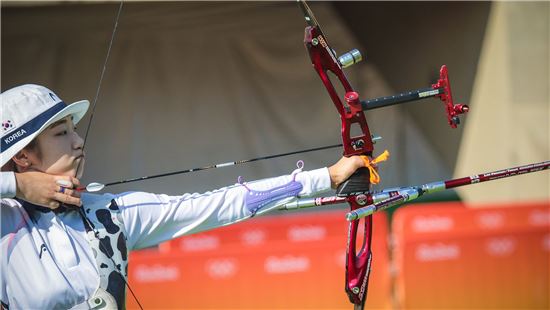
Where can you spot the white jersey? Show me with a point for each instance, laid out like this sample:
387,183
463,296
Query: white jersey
47,261
7,184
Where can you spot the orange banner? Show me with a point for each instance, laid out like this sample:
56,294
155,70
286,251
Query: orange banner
448,256
285,262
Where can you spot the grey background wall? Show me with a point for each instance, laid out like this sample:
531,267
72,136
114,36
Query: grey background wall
195,83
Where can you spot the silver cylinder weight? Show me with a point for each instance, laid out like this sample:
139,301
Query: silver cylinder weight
350,58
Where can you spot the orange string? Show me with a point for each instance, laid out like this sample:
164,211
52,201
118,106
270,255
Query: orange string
371,165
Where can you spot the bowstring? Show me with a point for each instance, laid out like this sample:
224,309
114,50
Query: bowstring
94,105
104,69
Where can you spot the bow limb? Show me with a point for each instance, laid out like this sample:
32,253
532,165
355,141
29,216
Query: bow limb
357,187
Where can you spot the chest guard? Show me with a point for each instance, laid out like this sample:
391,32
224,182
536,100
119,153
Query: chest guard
107,238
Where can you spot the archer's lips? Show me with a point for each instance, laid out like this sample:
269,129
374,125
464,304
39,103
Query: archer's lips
80,157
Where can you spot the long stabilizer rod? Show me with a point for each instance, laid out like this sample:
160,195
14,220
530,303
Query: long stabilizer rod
411,193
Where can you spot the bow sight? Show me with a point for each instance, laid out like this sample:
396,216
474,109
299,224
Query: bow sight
441,90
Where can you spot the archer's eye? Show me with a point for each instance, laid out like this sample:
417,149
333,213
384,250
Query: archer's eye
62,133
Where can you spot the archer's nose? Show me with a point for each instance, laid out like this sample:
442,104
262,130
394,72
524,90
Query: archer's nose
78,142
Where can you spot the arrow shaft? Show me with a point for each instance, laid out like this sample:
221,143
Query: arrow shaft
220,165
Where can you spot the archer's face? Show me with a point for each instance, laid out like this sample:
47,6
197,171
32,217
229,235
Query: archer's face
59,150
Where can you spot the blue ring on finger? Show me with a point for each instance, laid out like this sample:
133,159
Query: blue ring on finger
62,190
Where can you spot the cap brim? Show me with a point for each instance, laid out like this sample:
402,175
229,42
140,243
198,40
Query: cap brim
76,109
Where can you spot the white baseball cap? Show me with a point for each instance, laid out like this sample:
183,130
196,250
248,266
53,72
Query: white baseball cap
27,110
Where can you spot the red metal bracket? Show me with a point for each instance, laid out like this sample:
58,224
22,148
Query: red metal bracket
453,110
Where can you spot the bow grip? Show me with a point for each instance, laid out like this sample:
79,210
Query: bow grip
357,184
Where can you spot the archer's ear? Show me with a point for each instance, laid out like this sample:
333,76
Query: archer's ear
21,161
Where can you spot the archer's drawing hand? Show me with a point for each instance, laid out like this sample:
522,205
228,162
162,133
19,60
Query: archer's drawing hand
343,169
47,190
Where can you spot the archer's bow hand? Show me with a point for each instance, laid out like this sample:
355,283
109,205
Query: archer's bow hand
343,169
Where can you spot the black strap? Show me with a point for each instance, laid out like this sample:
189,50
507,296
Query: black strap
29,207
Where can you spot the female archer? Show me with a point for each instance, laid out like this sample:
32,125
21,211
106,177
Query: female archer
78,258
